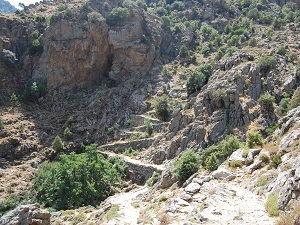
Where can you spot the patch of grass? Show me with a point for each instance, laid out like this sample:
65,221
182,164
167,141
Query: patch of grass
236,164
261,181
80,217
153,179
113,212
272,205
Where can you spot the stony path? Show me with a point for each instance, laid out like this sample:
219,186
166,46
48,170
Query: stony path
226,203
127,214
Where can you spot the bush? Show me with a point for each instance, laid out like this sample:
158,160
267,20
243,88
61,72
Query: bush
295,100
187,165
205,50
266,101
195,82
119,164
1,122
252,42
282,50
272,205
117,15
221,151
57,144
10,202
36,47
254,138
212,163
236,164
267,63
67,134
75,180
161,107
149,126
34,90
184,52
153,179
14,100
275,160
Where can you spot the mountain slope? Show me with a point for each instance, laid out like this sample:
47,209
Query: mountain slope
6,7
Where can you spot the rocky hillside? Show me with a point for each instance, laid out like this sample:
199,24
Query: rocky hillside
149,81
6,7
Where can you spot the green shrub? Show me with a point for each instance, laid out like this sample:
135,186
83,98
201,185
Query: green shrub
271,206
252,42
271,129
119,164
208,32
36,47
261,181
212,163
264,158
14,100
266,101
236,164
10,202
161,107
195,82
1,122
117,15
187,165
34,90
57,144
153,179
254,138
75,180
184,52
67,134
221,151
267,63
149,126
282,50
292,56
275,160
131,151
205,50
234,41
295,100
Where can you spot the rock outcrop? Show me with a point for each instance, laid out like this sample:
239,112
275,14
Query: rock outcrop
26,215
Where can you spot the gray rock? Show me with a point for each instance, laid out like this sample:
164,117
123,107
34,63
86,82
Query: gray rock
223,174
289,142
26,215
237,156
256,165
192,188
251,155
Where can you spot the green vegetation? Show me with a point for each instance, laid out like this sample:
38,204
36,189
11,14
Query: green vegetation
119,164
261,181
10,202
266,101
112,212
75,180
187,165
236,164
9,57
34,90
161,107
1,122
272,205
267,63
295,100
214,155
67,134
57,144
153,179
195,82
282,50
36,47
117,15
14,100
184,52
149,126
131,151
275,160
254,138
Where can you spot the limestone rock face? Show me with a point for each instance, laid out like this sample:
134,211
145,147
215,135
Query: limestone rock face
26,215
74,55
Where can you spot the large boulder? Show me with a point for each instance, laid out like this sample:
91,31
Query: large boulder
26,215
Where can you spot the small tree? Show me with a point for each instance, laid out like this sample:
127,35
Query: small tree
266,101
14,100
267,63
211,163
161,107
187,165
195,82
295,100
184,52
254,138
149,126
67,134
117,15
57,144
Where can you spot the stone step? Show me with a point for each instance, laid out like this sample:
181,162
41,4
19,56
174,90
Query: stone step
121,146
